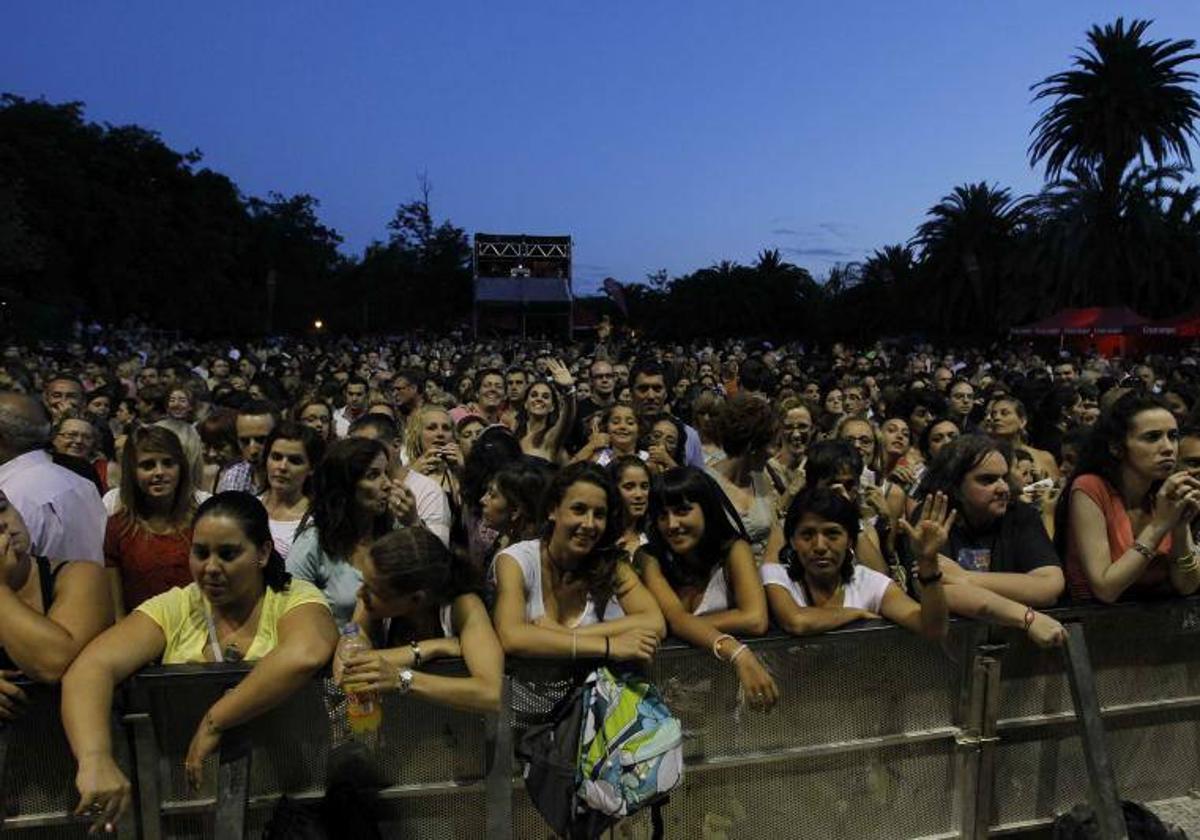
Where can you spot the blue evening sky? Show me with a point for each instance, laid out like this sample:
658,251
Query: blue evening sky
658,135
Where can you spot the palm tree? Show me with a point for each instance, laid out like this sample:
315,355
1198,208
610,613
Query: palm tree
966,249
1126,98
1131,249
1128,101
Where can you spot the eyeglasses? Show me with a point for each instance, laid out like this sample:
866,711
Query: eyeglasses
79,436
260,439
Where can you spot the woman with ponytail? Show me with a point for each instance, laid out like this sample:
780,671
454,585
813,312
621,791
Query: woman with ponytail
817,585
241,605
416,606
700,568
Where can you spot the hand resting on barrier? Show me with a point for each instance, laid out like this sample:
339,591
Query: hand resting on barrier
242,605
700,569
415,603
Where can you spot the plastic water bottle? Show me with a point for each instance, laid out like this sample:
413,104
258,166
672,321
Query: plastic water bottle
363,712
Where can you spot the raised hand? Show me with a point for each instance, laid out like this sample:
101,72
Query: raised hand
559,373
932,530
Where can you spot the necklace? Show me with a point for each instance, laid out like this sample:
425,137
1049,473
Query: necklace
231,651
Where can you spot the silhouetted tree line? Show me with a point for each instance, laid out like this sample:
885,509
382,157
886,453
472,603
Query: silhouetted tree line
1115,224
104,222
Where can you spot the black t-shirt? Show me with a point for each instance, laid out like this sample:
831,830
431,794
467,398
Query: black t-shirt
1017,542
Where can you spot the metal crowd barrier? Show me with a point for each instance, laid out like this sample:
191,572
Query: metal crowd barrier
878,735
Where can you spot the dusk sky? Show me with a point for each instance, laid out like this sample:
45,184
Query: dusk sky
658,135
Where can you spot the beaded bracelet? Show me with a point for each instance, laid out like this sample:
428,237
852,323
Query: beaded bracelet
1143,549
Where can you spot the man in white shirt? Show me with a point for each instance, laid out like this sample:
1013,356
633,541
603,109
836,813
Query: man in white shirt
355,392
62,510
432,506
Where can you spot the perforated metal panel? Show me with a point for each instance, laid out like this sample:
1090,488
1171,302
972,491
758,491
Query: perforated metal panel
1146,663
39,771
418,744
833,689
841,695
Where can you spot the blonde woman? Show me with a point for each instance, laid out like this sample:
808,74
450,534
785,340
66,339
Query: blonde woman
431,448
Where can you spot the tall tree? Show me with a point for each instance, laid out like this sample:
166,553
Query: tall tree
966,250
1127,97
1126,102
420,277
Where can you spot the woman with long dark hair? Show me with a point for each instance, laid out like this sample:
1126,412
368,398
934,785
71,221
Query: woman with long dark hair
567,595
416,607
632,477
700,568
352,506
495,448
1124,518
512,504
546,414
292,453
242,604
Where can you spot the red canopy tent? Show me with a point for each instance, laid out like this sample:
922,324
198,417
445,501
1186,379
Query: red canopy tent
1107,327
1181,326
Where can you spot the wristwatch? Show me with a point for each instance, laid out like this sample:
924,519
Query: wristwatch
404,684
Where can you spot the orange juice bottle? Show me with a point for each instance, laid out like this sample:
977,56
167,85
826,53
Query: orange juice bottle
363,712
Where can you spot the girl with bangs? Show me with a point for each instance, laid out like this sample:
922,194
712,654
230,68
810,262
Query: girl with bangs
700,568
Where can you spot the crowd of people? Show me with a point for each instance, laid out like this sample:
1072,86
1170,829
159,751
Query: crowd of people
173,501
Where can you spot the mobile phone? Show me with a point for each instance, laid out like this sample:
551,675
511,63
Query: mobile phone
1044,484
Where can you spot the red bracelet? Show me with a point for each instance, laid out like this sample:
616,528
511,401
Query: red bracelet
1030,615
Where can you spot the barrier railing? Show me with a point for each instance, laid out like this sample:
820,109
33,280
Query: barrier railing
879,734
1145,666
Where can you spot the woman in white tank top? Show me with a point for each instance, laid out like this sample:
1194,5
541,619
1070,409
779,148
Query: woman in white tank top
566,595
815,584
700,568
415,607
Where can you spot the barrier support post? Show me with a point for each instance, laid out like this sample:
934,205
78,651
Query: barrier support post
233,785
4,735
1102,783
145,762
498,793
